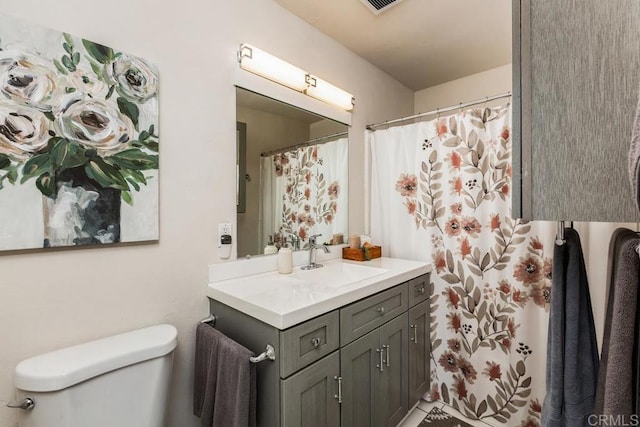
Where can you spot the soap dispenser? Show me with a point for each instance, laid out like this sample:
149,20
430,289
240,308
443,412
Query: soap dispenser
285,260
270,248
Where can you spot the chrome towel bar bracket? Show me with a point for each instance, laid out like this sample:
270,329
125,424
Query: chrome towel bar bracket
269,353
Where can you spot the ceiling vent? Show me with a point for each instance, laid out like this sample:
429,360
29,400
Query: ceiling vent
379,6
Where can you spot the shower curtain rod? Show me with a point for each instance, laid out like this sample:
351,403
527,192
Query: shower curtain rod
303,144
438,111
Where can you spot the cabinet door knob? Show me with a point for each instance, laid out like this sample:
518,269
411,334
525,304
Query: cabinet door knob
421,290
315,342
381,311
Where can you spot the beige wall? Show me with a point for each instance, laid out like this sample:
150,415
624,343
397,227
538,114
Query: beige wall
265,132
53,299
476,86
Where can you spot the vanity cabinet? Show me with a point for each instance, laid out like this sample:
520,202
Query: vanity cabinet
575,91
352,366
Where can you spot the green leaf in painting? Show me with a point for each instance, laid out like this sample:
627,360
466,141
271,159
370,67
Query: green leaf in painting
75,58
66,61
126,196
5,161
100,53
136,176
129,109
96,67
36,166
12,176
60,67
105,174
68,39
46,184
65,155
67,48
135,159
110,92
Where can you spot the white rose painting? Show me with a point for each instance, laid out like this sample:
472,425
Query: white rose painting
78,141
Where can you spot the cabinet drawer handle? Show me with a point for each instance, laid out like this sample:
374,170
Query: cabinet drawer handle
315,342
338,396
421,289
381,311
415,334
381,365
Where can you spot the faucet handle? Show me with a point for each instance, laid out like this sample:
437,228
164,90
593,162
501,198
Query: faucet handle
312,239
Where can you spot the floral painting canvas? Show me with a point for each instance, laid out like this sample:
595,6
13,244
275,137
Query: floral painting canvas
78,141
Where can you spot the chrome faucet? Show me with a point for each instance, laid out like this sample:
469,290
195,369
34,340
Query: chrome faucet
312,250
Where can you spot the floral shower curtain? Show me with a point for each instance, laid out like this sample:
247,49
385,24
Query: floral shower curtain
304,192
440,193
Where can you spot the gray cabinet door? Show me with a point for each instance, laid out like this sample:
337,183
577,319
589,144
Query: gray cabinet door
419,349
393,403
309,397
575,93
359,365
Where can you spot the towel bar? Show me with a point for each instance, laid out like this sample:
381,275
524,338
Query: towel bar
269,353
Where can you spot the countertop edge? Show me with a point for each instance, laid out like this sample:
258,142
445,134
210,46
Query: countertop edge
287,320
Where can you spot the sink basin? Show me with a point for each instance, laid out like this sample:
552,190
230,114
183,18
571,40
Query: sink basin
337,274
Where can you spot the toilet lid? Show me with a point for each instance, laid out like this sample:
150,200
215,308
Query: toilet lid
63,368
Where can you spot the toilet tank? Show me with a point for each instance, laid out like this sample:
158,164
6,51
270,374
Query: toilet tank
122,380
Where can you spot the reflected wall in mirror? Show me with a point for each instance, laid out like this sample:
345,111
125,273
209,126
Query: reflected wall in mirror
296,176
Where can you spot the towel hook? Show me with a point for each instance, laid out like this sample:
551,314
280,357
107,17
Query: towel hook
560,233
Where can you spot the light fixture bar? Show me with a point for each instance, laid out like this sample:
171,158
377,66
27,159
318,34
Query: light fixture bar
325,91
268,66
275,69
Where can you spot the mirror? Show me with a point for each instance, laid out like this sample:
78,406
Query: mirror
294,175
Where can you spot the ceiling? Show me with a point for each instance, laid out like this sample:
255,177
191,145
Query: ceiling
420,43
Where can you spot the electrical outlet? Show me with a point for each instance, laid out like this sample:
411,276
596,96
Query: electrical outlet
223,228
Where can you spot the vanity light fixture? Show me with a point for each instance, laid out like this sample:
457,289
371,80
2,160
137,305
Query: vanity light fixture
275,69
259,62
325,91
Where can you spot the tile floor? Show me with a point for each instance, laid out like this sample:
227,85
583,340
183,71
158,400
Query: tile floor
420,411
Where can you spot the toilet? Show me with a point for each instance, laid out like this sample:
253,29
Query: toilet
122,380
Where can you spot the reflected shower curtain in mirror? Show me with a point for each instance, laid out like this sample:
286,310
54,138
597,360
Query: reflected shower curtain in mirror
304,192
440,193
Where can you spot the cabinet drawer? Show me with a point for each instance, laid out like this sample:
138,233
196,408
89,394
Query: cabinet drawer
364,316
419,289
308,342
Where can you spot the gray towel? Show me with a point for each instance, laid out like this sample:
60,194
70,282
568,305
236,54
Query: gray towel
572,353
615,391
224,386
634,158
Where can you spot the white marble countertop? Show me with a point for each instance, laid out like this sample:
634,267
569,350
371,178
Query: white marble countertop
284,300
